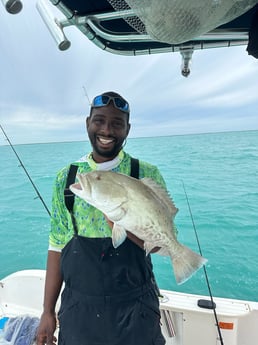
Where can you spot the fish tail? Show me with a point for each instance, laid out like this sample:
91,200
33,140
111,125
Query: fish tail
186,264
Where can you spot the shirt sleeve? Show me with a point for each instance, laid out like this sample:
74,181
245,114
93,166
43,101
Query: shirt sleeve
151,171
61,229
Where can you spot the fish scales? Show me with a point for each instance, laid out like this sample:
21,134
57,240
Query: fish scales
143,208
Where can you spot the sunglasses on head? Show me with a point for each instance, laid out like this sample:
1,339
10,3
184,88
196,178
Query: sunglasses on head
102,101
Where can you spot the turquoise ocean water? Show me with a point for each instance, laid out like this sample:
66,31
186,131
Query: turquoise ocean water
220,174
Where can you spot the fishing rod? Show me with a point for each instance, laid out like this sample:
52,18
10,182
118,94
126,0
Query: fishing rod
204,268
26,172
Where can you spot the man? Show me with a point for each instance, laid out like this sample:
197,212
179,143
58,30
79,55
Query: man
109,296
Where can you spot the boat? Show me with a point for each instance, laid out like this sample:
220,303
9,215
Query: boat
134,27
186,318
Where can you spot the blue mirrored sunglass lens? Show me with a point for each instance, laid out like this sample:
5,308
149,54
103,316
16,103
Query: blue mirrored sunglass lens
105,99
98,101
121,104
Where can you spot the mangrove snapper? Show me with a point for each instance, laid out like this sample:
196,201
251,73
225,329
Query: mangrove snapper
143,208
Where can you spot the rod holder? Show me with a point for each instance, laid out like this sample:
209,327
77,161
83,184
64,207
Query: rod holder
53,25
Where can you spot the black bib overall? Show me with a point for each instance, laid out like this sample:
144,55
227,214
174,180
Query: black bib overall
109,296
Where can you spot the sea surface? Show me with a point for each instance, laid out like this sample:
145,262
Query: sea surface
217,172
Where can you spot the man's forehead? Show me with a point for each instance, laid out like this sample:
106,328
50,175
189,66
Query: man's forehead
108,112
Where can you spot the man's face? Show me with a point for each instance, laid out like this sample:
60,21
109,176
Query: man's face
107,129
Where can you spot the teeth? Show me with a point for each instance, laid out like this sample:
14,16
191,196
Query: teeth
105,141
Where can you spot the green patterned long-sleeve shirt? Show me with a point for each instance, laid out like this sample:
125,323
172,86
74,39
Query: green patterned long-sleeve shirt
90,221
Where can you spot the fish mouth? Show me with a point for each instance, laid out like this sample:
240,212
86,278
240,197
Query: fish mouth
84,182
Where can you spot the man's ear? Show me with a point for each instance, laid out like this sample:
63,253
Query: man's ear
87,122
128,128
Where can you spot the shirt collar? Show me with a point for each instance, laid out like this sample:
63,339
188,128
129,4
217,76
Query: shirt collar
109,165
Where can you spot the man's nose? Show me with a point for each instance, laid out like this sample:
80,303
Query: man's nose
107,127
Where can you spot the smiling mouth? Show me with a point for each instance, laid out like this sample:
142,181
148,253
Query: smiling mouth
105,141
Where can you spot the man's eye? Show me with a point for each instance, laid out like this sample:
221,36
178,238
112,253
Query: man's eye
98,121
118,124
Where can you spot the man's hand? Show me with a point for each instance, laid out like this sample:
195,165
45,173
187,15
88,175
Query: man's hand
109,222
46,330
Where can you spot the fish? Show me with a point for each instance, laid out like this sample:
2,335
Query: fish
145,209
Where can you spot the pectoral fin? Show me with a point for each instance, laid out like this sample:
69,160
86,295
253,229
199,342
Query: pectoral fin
148,246
118,235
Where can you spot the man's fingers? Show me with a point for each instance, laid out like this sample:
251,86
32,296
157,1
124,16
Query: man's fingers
110,223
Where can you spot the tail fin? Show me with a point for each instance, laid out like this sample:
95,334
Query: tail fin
186,264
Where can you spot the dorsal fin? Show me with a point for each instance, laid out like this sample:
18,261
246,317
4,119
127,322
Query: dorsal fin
161,194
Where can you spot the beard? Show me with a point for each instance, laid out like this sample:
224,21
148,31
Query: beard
108,151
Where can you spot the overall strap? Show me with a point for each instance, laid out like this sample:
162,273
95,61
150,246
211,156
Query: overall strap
135,168
68,194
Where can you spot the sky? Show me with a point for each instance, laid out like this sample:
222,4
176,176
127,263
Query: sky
43,99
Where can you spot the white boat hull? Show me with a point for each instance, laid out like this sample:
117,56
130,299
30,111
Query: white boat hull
183,321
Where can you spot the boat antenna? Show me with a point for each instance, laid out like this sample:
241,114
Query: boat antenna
204,268
26,172
86,94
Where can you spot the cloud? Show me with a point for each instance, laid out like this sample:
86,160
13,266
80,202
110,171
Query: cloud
229,99
38,119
